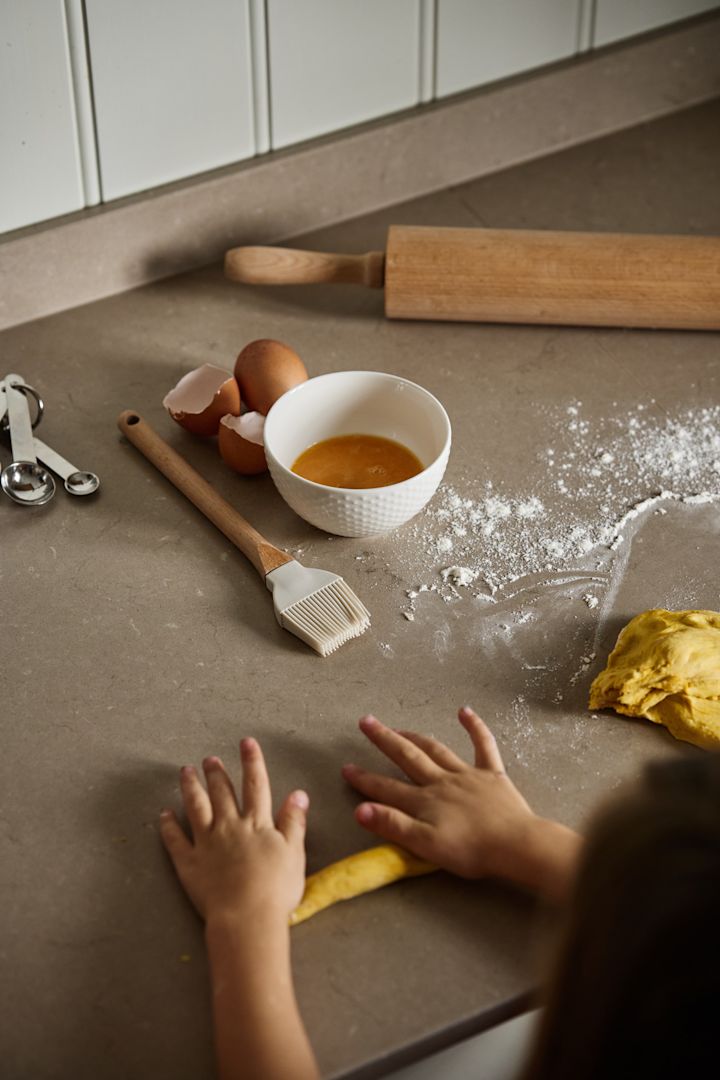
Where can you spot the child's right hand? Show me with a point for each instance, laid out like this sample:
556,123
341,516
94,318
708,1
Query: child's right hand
470,820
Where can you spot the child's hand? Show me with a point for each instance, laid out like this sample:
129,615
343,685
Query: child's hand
239,864
470,820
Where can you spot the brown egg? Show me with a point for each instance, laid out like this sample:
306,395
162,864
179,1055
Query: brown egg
265,370
240,442
202,397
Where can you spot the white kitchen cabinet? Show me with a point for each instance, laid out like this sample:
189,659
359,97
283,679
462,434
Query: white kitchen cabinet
497,1054
172,85
103,98
40,174
334,63
615,19
479,41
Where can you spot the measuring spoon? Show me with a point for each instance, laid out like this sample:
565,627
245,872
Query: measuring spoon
23,480
76,481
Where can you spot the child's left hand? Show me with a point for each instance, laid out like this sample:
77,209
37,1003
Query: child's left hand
239,864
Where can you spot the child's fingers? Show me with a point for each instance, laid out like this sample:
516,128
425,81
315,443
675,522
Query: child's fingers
487,755
413,761
292,817
195,800
394,826
172,835
382,788
220,789
257,800
441,754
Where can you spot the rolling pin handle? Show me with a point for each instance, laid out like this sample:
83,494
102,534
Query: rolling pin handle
286,266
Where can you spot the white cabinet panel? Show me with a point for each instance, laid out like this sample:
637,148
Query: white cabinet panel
39,165
172,88
334,63
615,19
482,40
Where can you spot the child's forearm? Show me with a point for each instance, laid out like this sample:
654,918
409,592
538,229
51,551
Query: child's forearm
259,1034
548,861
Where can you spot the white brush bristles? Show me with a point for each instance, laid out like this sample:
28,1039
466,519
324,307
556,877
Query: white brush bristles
317,606
327,618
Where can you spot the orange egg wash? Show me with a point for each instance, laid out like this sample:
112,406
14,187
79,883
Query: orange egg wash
357,461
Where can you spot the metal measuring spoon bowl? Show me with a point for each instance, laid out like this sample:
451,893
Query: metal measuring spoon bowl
23,480
28,483
77,481
82,483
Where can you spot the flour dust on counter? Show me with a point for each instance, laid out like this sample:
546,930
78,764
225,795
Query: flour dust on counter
593,482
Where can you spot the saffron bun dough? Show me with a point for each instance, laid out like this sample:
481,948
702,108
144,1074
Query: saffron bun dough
357,874
666,667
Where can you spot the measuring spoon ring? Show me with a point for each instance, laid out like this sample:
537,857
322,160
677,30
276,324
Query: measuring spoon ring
39,403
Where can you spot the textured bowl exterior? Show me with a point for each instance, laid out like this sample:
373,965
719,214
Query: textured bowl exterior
361,512
347,402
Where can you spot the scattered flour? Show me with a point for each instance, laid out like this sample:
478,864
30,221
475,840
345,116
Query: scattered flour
458,575
610,472
585,662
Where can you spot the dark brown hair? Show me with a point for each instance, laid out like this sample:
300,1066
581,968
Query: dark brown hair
636,990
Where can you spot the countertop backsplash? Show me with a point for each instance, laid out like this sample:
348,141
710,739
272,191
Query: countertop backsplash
105,99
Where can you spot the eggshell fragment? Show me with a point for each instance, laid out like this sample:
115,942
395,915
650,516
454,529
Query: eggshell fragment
240,442
202,397
265,370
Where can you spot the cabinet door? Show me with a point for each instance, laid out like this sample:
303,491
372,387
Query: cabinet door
482,40
334,63
172,87
40,174
615,19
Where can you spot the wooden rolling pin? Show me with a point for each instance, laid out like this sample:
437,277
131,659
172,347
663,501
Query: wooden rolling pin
516,276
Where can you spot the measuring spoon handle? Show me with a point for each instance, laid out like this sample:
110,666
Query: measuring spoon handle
59,465
21,434
262,554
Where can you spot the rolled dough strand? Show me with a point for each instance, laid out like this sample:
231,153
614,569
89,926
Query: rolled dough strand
355,875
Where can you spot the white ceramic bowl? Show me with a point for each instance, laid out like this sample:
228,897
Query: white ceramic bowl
352,403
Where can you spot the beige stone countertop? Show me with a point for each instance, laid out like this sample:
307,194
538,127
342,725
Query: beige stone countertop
136,639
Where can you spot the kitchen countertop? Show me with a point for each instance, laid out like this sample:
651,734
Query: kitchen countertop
137,639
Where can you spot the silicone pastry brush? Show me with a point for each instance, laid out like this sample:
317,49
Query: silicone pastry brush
317,606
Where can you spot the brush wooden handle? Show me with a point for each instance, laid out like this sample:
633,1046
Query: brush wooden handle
286,266
262,554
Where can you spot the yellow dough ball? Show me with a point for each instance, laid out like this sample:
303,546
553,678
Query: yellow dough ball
666,667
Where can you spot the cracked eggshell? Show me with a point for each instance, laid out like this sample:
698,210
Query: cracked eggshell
240,442
202,397
265,370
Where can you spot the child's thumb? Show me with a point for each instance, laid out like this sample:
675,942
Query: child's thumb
292,818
